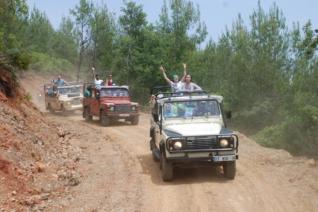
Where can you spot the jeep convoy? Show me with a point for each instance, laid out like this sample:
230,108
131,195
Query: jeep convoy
109,103
189,128
63,98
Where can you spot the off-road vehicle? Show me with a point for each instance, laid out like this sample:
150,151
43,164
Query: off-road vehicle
63,98
189,129
109,103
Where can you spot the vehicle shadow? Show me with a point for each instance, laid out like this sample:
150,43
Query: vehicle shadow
65,113
119,123
181,175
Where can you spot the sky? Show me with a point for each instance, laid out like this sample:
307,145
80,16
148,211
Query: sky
216,14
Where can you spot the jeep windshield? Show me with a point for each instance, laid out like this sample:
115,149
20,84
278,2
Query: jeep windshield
193,108
69,89
114,92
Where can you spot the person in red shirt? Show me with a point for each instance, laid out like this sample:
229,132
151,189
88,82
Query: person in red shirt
109,80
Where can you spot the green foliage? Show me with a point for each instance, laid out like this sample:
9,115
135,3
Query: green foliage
102,38
28,97
82,14
64,41
39,33
291,135
45,63
13,16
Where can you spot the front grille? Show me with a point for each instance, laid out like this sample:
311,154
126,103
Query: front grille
122,108
73,94
76,101
201,143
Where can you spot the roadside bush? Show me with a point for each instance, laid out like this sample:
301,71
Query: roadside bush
252,119
291,135
45,63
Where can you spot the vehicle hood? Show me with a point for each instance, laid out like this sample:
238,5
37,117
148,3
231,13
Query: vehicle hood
69,98
115,101
195,129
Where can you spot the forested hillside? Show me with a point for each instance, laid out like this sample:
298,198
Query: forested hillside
266,71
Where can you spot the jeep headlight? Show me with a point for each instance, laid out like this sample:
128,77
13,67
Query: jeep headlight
177,145
224,142
133,108
111,108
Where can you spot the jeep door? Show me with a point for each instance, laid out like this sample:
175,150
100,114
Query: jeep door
94,106
158,127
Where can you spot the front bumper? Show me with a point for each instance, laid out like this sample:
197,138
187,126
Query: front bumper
70,107
201,159
122,115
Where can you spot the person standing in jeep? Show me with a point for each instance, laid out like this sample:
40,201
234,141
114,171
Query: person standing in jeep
59,81
98,82
188,85
109,80
176,83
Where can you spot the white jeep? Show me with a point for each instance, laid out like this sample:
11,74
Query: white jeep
63,98
189,129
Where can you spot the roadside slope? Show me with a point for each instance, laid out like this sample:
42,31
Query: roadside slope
37,162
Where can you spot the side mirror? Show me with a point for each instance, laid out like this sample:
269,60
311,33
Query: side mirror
228,114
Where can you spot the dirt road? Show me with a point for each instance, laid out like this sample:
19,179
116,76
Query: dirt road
118,174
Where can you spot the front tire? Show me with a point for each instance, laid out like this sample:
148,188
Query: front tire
166,168
51,110
229,169
104,119
88,117
154,150
135,120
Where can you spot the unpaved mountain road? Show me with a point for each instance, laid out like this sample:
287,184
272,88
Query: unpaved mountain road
118,174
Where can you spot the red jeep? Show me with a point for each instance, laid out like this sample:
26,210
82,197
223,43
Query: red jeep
109,103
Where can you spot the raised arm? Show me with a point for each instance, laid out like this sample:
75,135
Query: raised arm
196,87
184,72
165,75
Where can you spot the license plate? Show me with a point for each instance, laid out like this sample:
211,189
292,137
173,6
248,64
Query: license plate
123,115
224,158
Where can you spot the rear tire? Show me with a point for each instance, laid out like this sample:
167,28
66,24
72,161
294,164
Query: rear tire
166,168
88,117
153,149
229,169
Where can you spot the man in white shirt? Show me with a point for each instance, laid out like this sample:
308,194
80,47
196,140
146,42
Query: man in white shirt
98,82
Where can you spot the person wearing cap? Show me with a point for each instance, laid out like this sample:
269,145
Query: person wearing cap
176,83
109,80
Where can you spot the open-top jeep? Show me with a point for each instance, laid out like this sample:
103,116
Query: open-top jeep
189,129
109,103
63,98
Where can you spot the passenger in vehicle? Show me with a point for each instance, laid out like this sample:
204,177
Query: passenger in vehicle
98,82
59,81
176,83
88,91
109,80
201,109
188,85
170,110
55,90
